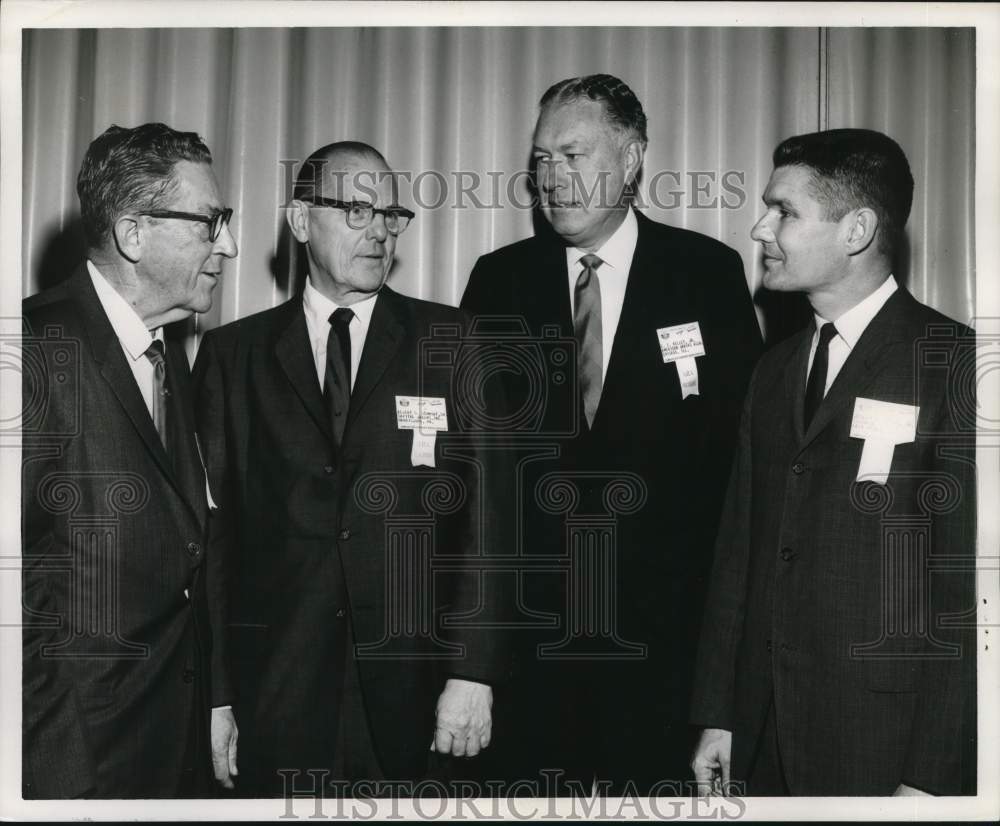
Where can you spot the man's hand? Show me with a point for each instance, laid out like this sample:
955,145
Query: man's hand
464,719
902,790
710,761
224,734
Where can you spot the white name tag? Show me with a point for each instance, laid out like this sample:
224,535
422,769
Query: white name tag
425,416
882,425
681,344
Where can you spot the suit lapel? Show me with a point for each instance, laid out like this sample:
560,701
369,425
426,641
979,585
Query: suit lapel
550,294
107,351
187,462
385,333
651,300
795,381
873,350
295,356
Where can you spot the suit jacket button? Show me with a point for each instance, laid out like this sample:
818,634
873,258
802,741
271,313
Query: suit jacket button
328,470
188,675
341,613
193,548
769,645
787,554
345,534
798,467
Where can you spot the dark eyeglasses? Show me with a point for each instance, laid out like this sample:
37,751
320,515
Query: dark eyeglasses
360,214
216,221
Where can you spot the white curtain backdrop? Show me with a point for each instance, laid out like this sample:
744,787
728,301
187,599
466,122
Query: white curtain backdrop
462,102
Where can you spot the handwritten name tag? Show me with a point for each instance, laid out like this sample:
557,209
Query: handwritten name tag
882,425
425,416
681,344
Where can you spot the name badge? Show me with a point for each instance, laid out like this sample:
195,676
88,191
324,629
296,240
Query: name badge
425,416
882,426
681,344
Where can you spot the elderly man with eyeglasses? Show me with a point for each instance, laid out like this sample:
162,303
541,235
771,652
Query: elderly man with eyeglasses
114,504
349,506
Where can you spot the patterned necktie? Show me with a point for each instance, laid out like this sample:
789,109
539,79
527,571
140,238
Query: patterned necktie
587,329
157,357
337,378
816,386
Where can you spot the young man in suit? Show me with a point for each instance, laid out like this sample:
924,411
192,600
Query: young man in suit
340,547
114,505
666,338
834,657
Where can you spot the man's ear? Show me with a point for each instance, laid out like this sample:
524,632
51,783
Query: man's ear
128,238
862,227
297,216
633,153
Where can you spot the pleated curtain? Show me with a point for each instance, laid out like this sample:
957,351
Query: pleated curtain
453,106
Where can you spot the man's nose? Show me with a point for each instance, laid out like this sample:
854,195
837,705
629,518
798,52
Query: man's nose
761,231
377,228
551,175
225,244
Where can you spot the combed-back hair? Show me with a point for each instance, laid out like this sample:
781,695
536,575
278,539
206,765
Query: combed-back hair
308,182
622,109
131,170
854,168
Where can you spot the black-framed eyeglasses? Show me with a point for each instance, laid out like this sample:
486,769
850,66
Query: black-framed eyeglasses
216,221
360,213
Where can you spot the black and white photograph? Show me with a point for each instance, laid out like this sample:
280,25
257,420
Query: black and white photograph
499,411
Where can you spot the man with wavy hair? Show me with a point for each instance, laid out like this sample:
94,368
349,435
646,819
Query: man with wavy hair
114,508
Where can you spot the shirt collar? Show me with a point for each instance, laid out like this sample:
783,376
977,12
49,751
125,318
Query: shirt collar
318,308
616,252
853,323
130,329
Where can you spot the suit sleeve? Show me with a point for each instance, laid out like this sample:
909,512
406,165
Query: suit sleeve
487,531
210,411
722,629
57,758
941,758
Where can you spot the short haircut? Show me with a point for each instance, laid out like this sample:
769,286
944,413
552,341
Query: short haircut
854,168
622,109
131,170
308,181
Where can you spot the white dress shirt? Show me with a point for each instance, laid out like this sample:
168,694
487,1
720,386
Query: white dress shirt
616,253
131,331
318,309
849,326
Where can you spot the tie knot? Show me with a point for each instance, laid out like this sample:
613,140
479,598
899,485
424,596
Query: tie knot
826,333
155,352
341,317
591,261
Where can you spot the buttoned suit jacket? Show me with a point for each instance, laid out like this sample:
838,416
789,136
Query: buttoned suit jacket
113,530
844,599
312,548
671,453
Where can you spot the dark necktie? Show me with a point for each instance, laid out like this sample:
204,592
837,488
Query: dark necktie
337,378
587,329
816,385
157,357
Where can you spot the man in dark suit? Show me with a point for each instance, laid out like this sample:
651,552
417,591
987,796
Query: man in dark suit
339,550
640,437
835,658
114,509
